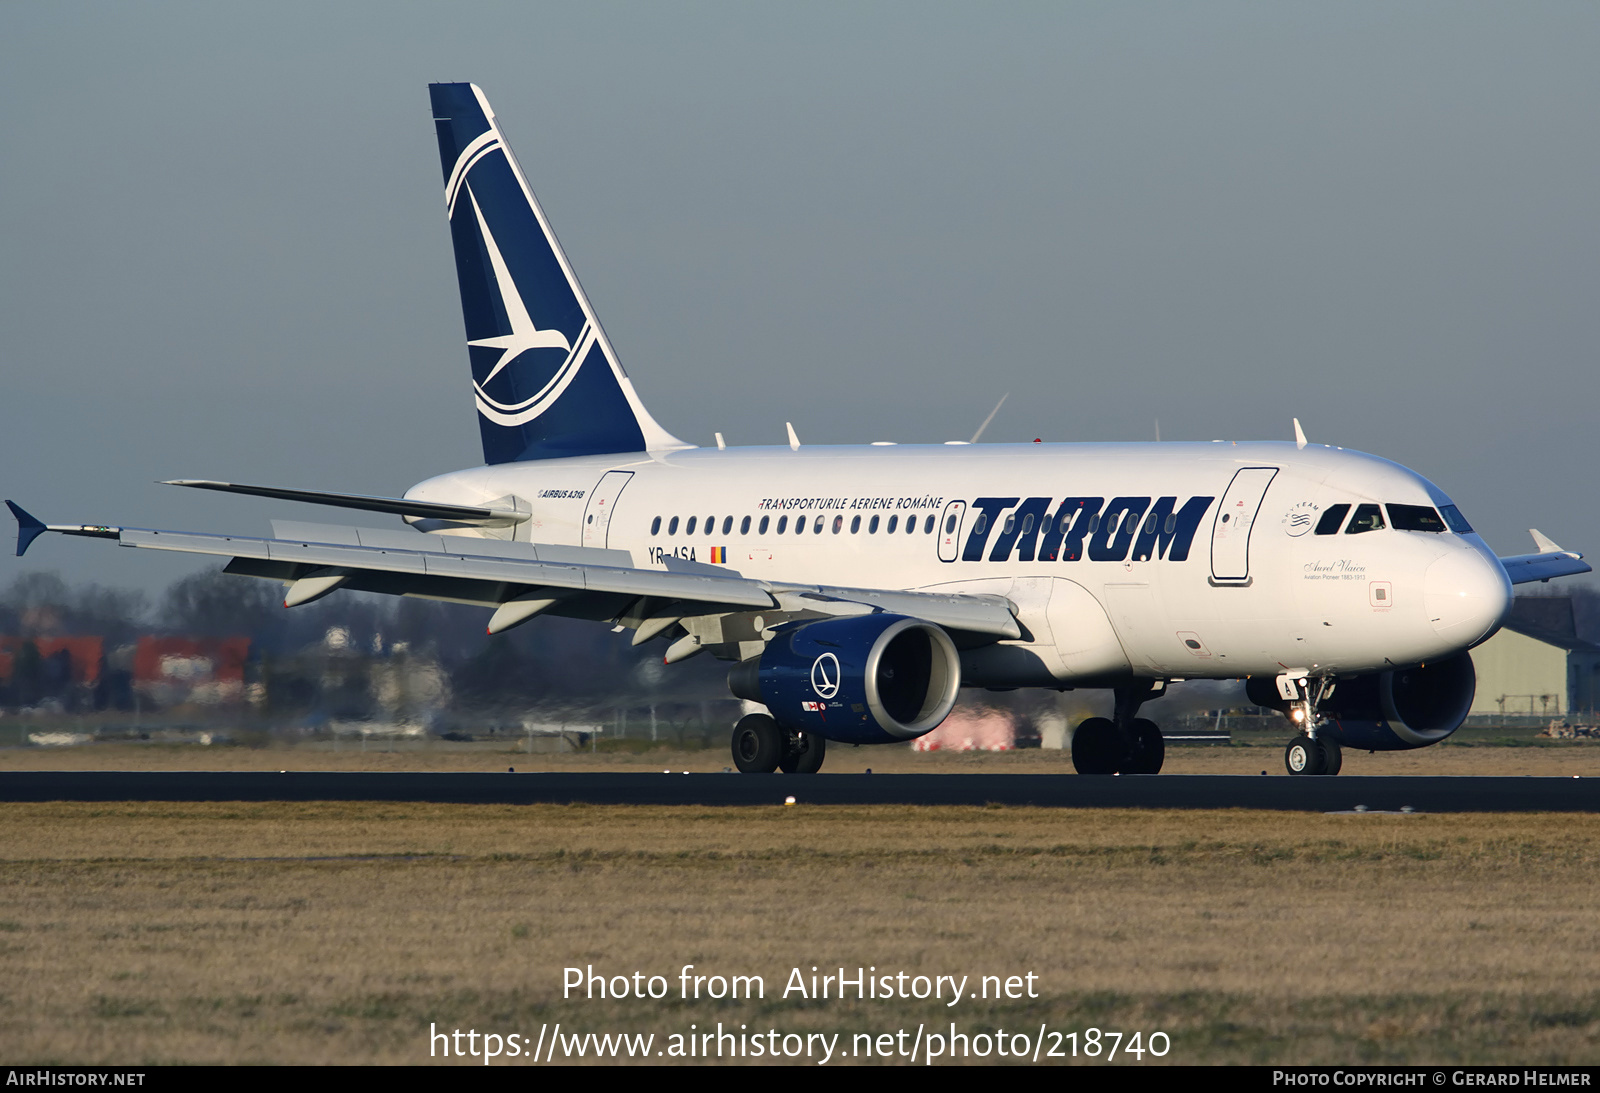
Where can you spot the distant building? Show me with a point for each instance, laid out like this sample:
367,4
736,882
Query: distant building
208,671
1545,661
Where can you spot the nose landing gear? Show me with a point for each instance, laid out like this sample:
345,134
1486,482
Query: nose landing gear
1313,755
1313,751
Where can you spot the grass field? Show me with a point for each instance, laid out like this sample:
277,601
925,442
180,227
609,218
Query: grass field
1258,752
147,933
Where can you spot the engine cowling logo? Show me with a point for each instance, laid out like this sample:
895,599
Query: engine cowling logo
825,674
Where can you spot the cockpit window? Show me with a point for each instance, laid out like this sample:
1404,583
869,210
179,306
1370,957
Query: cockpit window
1367,518
1454,520
1415,518
1329,524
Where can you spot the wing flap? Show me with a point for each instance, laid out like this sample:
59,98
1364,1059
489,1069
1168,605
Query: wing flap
731,592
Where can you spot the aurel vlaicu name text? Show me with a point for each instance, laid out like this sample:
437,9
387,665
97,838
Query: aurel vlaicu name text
799,985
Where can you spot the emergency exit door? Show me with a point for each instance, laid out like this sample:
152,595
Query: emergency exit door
602,500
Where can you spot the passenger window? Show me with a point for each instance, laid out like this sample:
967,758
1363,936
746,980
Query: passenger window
711,525
855,524
672,528
1171,525
1332,519
872,527
1414,518
1094,523
727,524
688,529
783,524
1027,523
978,526
1367,518
744,526
949,525
761,529
1454,520
927,525
894,522
1010,525
838,523
817,528
655,526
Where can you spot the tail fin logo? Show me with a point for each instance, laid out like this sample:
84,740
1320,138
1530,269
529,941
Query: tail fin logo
544,377
523,340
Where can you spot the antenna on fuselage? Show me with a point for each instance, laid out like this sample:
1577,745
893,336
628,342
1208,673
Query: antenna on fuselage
794,439
990,418
1299,435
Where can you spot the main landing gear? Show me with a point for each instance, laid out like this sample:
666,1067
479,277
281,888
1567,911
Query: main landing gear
1312,752
1123,743
761,746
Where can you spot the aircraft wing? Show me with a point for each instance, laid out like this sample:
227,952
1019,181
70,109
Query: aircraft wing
577,582
1551,561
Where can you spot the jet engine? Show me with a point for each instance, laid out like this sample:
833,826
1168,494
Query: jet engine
1390,711
867,679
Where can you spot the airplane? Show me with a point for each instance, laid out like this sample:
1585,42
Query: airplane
855,589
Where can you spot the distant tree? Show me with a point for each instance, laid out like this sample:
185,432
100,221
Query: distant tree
217,604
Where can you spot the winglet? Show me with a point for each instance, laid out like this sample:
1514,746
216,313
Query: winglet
29,527
1299,435
794,439
1545,544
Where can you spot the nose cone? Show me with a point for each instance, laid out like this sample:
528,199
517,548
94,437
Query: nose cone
1466,595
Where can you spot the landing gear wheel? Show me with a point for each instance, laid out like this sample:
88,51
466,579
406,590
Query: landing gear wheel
1305,756
804,754
758,744
1097,747
1148,749
1332,754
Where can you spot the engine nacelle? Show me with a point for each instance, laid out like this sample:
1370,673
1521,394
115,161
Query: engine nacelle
867,679
1391,711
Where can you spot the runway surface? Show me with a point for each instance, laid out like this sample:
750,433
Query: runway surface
1337,794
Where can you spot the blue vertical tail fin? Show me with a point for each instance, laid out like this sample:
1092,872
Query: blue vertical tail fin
546,380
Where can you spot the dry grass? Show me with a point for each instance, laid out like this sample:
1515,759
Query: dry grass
338,932
1445,759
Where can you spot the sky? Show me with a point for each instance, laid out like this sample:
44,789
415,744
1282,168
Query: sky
223,250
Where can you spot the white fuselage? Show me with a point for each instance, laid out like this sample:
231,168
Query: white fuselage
1260,591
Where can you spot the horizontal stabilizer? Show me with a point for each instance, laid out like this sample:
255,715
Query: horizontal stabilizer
400,506
1527,568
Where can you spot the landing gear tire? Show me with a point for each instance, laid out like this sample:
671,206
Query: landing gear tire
1149,750
758,744
1305,756
1097,747
803,754
1332,754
